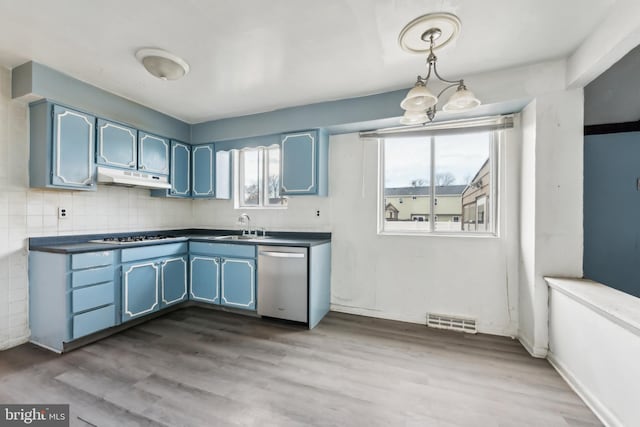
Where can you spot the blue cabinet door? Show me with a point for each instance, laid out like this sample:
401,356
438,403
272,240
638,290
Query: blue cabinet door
73,149
180,169
238,283
173,280
117,145
205,278
299,163
202,170
140,288
153,153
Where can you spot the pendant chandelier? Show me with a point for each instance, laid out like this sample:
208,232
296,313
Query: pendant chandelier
426,34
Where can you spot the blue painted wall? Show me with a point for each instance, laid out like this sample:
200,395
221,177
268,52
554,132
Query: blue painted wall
36,79
612,210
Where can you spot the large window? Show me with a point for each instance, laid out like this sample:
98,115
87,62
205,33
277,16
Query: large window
258,178
443,183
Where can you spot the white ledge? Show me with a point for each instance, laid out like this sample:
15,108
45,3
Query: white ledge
617,306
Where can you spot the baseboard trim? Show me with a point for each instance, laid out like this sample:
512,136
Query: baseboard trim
598,408
538,352
422,320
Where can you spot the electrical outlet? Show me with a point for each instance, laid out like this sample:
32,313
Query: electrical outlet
63,213
317,212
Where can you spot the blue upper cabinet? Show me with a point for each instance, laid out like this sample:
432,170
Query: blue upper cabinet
62,147
116,145
304,163
180,176
202,170
153,154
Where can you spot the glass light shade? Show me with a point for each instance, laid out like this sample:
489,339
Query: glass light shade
414,118
419,98
461,100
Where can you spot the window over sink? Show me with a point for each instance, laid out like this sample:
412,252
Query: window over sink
257,178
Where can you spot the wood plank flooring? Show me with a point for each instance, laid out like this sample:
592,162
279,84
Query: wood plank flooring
199,367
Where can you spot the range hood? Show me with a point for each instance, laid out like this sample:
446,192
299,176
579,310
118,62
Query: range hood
130,178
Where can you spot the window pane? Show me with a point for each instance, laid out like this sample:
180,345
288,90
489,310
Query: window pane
463,182
273,178
250,185
407,172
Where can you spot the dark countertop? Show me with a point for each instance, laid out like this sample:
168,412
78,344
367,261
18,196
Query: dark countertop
80,243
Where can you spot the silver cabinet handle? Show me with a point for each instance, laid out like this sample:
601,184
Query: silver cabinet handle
282,254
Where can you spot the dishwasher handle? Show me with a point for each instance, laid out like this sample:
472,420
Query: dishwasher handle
282,254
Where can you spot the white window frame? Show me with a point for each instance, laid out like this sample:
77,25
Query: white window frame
263,183
495,150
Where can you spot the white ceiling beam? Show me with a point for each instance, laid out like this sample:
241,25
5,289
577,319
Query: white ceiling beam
613,38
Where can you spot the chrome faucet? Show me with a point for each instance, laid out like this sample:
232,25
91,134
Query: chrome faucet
245,221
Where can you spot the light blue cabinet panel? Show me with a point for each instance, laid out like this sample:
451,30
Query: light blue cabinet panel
140,289
202,170
73,149
91,259
153,251
91,276
304,161
223,249
92,297
223,177
238,286
180,169
204,279
153,153
93,321
116,145
174,281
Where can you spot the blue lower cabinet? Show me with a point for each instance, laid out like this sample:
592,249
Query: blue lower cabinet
238,283
93,321
174,280
205,283
140,288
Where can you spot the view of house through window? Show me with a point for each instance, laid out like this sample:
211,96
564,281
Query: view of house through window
258,178
438,183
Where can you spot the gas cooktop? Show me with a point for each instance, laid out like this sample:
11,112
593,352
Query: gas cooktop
123,240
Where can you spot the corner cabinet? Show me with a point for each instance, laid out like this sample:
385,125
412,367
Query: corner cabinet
116,145
153,153
202,171
180,175
304,163
62,147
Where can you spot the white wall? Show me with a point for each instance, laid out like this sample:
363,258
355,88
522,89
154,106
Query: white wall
551,205
26,212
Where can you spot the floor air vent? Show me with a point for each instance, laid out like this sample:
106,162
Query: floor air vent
452,323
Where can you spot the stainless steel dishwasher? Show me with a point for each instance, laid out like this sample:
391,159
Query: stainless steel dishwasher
282,282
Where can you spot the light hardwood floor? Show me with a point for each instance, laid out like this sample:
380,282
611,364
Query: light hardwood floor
199,367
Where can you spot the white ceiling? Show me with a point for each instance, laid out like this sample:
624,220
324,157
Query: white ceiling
254,55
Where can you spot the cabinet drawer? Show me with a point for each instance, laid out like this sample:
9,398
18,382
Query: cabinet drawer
92,296
91,259
93,321
91,276
223,249
153,251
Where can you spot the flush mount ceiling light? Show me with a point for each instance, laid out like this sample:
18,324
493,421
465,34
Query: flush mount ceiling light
162,64
426,34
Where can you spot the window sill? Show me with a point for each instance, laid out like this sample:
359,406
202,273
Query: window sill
441,234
